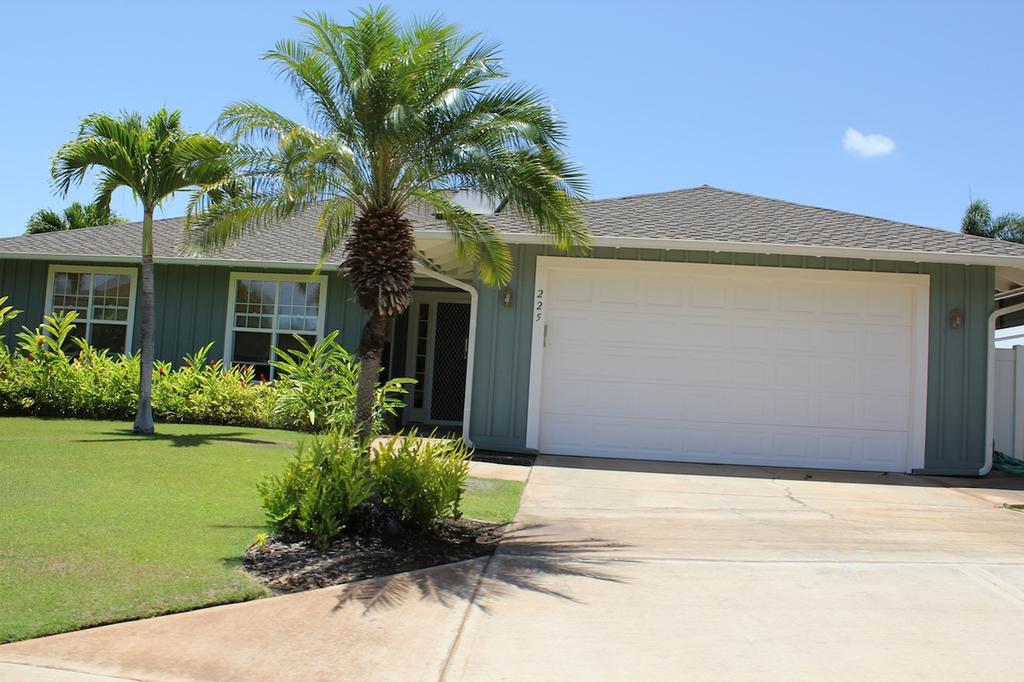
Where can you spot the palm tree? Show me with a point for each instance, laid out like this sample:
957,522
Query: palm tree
978,221
74,217
399,119
154,158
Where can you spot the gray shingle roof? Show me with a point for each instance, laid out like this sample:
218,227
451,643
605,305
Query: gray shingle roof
293,241
697,214
716,215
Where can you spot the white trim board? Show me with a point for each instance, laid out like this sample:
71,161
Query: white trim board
919,285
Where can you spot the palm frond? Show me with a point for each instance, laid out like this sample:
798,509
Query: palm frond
45,220
397,113
1009,227
977,219
335,222
476,240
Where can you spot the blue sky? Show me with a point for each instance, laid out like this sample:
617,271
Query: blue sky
757,97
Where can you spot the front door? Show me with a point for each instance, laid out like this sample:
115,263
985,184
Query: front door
438,349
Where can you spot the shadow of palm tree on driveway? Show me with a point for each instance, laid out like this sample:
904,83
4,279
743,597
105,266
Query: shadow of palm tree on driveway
185,440
525,560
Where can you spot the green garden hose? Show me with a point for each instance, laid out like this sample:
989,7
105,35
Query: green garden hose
1006,463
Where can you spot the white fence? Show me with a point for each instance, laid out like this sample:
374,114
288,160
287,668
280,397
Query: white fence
1009,401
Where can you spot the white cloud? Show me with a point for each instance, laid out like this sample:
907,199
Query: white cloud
873,144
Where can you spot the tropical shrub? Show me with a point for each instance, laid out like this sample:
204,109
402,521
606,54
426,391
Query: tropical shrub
104,385
53,373
316,388
203,391
421,479
323,482
43,377
7,314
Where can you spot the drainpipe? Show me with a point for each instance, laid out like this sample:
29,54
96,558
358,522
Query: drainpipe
473,296
990,397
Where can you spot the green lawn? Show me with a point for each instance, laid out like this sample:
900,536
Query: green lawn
99,525
492,499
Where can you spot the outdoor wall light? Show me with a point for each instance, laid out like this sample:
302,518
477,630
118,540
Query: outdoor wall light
507,297
956,319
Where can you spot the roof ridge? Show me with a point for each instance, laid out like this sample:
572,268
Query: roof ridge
641,195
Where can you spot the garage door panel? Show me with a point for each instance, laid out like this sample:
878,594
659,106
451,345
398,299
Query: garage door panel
650,437
886,342
729,364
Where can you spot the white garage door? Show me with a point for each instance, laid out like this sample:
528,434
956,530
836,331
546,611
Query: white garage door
730,364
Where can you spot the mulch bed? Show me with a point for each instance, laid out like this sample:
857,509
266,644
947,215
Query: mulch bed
292,565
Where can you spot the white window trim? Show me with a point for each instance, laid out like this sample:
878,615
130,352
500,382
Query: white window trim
98,270
229,323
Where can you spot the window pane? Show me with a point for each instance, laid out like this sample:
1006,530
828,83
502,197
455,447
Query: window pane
298,306
71,292
111,297
289,343
254,304
253,348
109,336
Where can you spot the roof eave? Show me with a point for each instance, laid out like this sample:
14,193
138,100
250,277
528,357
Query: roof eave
613,242
175,260
784,249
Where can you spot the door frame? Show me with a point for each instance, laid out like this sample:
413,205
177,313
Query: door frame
431,298
920,324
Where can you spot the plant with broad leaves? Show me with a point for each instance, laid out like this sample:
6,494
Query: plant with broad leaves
322,483
317,383
421,479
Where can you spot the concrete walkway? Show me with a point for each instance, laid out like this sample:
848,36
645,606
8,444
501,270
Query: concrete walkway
627,570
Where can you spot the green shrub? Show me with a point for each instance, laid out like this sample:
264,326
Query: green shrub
7,315
105,386
53,373
421,479
322,483
316,384
42,379
203,391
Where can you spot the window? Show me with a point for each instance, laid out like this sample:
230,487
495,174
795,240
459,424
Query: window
104,299
266,310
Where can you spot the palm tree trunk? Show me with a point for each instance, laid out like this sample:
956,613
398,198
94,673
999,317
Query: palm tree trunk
380,249
144,412
371,350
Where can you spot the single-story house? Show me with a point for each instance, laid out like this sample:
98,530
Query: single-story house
706,326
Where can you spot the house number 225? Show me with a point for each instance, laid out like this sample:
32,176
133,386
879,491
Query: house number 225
539,307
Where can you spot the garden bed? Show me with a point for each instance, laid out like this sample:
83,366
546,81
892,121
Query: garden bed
286,565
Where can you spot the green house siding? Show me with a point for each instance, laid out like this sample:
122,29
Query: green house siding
24,283
191,305
957,357
192,311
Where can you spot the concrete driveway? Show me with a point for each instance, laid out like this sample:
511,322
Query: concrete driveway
631,570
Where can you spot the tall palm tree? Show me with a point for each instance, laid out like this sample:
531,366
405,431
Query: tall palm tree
74,217
399,118
978,221
154,158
